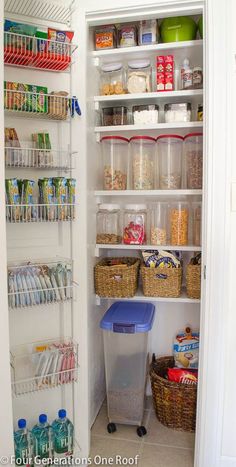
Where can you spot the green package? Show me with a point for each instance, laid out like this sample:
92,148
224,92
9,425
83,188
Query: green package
39,99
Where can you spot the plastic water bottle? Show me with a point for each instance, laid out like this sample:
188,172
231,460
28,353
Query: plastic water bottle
63,435
43,440
23,442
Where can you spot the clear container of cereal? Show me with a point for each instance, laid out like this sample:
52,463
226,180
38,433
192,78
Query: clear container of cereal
179,223
197,223
193,144
135,224
108,224
139,76
143,149
170,152
112,79
158,224
115,162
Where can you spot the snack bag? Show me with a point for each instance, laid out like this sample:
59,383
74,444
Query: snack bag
178,375
186,348
59,41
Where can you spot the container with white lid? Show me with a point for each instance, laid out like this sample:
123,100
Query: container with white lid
139,76
108,224
115,162
170,154
135,224
143,150
112,79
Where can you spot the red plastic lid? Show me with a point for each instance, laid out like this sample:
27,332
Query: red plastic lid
150,138
170,136
193,134
121,138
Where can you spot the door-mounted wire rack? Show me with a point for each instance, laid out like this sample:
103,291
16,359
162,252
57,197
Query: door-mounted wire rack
30,213
27,156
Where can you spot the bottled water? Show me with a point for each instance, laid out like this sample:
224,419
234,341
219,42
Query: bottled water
63,435
43,440
23,442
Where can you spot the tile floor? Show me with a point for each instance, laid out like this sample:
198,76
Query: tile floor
161,447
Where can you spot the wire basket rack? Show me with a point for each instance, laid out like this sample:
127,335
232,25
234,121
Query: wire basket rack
43,365
39,283
31,213
27,156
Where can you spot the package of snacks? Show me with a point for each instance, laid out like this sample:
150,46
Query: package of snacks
163,259
59,41
179,375
186,349
105,37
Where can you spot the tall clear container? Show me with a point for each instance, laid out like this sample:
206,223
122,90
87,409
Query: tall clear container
115,162
135,224
158,224
193,144
108,224
197,223
139,79
179,223
125,333
143,149
169,153
112,79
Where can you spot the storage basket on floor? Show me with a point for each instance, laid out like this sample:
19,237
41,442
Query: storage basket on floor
174,403
161,282
118,280
193,280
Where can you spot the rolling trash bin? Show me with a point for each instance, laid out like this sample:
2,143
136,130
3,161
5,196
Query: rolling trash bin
125,328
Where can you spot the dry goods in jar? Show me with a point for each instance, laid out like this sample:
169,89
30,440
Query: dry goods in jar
179,226
108,238
194,169
105,37
142,172
170,181
114,179
139,77
127,35
158,236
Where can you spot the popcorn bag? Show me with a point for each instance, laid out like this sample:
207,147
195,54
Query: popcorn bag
186,349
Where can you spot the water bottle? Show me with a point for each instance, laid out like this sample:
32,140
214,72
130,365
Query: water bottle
63,435
24,447
43,440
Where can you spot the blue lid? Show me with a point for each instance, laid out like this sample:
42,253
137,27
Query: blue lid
43,418
129,317
21,423
62,413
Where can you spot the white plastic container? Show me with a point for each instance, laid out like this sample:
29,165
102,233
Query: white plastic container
112,79
108,224
143,150
139,76
170,154
115,162
193,143
158,224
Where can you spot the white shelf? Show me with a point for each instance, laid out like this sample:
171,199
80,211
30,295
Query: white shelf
140,297
149,193
109,246
50,10
146,49
155,126
150,96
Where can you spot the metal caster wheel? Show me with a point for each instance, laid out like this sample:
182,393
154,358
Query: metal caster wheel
111,427
141,431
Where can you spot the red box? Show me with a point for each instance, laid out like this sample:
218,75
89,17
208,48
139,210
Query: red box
160,64
160,81
169,64
169,82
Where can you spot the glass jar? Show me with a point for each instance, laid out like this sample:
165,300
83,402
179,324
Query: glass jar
139,76
179,222
127,35
197,223
114,116
142,156
145,114
169,151
115,162
135,224
105,37
108,224
158,225
112,79
193,143
178,112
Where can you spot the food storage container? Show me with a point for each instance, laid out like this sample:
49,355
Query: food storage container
135,224
143,149
127,35
112,79
115,162
125,332
193,143
139,76
179,222
178,28
115,116
197,223
169,153
145,114
148,32
108,224
105,37
179,112
158,224
197,77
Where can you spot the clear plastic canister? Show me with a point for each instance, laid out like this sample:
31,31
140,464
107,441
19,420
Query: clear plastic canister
112,79
169,153
179,223
197,223
115,162
139,76
143,150
135,224
158,224
193,143
108,224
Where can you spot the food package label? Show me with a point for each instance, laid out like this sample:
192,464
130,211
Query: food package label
186,350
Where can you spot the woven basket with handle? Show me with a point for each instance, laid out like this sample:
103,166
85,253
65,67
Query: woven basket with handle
118,280
161,282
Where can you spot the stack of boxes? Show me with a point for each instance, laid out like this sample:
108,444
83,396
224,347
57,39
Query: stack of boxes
165,73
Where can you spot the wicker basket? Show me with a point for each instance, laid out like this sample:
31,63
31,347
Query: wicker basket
193,280
174,403
160,282
58,105
118,280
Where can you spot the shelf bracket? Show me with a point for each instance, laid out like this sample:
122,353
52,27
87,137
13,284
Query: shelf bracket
97,251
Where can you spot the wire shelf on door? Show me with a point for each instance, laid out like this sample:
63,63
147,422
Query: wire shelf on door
49,10
31,213
39,283
43,365
26,157
39,53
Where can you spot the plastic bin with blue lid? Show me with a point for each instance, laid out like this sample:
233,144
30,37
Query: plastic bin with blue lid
125,331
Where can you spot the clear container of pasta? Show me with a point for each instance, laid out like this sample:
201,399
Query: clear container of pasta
158,223
143,150
179,223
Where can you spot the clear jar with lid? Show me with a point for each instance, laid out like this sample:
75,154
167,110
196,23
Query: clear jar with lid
170,152
108,224
197,223
158,224
179,223
142,166
145,114
193,143
112,79
115,162
135,224
139,76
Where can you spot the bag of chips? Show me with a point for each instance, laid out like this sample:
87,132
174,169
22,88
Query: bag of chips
179,375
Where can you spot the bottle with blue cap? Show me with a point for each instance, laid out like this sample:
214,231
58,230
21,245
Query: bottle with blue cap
43,438
63,435
24,444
